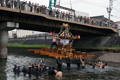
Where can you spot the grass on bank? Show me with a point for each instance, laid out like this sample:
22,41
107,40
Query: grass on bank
24,45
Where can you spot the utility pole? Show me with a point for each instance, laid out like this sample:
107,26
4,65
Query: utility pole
59,5
59,2
109,11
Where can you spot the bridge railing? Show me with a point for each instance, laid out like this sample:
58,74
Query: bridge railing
36,8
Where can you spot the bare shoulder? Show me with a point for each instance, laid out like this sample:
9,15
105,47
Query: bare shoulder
59,74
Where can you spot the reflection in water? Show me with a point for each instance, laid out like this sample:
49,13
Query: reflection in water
2,69
112,73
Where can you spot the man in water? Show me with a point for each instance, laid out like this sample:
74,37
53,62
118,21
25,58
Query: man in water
78,62
102,66
83,62
68,61
106,65
93,65
54,42
58,73
52,71
59,62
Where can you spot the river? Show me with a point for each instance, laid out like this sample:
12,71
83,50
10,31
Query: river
6,69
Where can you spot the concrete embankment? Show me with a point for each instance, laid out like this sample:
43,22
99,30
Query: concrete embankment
104,56
110,57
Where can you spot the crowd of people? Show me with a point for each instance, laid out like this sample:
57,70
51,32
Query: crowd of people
41,69
35,7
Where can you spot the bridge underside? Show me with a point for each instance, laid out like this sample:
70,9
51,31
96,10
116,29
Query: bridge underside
57,29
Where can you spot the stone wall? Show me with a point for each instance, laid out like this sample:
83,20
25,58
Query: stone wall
110,57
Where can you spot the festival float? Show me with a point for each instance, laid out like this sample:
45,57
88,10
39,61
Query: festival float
64,44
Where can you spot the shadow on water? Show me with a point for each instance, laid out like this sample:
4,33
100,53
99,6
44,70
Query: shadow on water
2,69
21,59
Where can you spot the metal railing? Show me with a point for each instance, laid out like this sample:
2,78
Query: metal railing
36,8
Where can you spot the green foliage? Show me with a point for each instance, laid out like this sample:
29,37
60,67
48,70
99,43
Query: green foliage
24,45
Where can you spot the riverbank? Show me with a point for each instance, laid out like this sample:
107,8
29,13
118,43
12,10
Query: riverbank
114,49
112,58
26,45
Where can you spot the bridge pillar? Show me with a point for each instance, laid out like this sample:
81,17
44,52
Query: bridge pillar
3,43
4,27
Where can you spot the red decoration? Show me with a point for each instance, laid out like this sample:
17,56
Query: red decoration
64,24
78,36
51,33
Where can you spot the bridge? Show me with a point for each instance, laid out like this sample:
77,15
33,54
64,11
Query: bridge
20,19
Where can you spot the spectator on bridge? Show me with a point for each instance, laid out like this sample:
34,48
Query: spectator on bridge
15,4
1,3
50,12
30,6
33,7
80,18
9,4
54,13
26,6
40,9
63,17
87,20
46,11
57,13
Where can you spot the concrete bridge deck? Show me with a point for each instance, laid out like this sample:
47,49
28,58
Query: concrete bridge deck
40,22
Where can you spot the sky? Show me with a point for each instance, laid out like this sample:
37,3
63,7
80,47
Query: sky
93,7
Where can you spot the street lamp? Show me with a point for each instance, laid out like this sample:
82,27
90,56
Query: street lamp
109,10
